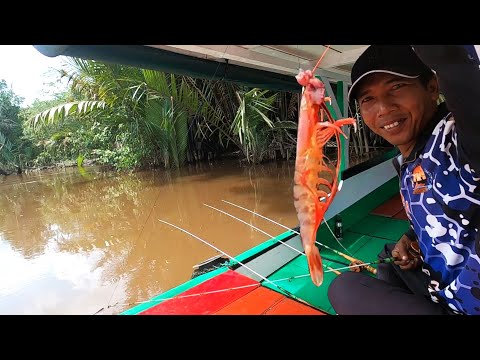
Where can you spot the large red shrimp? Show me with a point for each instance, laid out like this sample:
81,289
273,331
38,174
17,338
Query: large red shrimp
311,202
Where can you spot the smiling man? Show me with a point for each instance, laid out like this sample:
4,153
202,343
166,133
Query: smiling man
437,267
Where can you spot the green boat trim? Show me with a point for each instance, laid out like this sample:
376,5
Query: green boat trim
243,257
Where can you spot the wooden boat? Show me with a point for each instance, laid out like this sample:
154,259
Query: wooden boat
273,278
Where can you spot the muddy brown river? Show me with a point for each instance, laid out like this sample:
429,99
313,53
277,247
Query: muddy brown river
75,242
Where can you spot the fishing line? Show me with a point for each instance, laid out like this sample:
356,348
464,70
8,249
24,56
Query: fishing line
232,258
221,290
203,86
283,226
189,128
138,238
179,296
340,151
200,96
159,191
254,227
271,236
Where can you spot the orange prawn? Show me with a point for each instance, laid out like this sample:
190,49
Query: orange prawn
310,201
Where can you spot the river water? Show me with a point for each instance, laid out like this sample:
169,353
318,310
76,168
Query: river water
74,242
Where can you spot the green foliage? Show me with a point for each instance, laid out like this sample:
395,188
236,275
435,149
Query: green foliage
6,149
252,124
127,153
62,111
130,118
171,101
80,160
10,128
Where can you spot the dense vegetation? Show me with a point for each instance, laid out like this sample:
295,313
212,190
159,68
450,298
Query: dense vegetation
131,118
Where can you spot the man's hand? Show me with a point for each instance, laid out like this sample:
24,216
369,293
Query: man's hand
404,260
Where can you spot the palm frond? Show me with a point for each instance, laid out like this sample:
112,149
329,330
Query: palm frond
58,113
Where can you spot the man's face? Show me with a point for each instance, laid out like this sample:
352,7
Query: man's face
397,108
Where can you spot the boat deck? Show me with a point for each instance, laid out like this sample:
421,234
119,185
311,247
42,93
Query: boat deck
230,293
363,239
368,225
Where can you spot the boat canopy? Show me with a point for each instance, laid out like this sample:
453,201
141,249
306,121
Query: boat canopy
270,67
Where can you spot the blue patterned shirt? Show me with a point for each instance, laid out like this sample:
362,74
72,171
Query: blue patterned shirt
439,184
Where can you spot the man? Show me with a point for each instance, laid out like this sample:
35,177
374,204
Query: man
437,267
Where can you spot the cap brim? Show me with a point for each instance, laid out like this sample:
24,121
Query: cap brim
378,71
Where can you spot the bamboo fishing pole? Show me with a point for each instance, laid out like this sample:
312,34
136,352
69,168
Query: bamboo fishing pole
354,261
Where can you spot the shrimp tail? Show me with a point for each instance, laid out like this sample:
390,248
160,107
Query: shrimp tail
314,264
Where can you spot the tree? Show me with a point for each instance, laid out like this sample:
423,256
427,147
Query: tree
10,129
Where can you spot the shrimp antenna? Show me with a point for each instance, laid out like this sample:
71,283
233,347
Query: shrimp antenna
319,60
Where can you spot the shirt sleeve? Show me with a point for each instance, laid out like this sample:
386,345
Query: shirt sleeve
463,294
411,234
459,79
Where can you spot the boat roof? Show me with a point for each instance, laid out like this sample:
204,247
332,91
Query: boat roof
265,66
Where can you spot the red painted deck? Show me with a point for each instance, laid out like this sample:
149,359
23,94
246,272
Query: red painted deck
255,302
209,303
291,307
241,296
391,208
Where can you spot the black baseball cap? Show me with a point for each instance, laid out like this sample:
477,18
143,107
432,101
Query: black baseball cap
398,60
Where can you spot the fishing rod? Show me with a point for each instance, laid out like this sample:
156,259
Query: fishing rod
232,258
254,227
287,228
212,291
387,260
353,260
271,236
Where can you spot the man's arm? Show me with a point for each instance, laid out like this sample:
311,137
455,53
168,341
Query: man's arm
459,80
463,293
